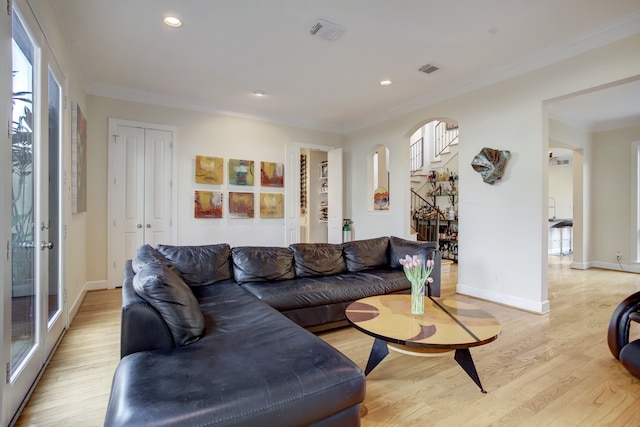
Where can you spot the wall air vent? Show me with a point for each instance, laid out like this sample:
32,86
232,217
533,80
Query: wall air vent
428,69
326,30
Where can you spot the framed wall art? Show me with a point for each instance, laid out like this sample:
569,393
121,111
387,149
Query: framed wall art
207,204
78,160
271,205
271,174
240,205
241,172
209,170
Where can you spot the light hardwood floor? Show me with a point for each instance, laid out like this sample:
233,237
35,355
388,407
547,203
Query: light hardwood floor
550,370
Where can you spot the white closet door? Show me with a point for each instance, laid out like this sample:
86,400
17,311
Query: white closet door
140,193
292,194
157,187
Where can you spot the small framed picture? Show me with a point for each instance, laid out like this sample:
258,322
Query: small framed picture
324,170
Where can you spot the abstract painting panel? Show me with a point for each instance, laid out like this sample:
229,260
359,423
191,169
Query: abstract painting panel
271,174
207,204
240,205
240,172
271,205
209,170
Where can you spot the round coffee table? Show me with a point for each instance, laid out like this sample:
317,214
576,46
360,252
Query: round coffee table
446,325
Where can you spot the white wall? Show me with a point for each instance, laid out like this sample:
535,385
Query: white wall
503,246
198,133
612,205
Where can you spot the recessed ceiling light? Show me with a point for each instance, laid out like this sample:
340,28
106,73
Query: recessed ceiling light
386,82
172,21
259,93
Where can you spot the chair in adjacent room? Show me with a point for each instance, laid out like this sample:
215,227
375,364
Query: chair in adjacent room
625,314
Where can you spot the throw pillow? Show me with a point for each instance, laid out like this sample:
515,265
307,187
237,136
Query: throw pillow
399,248
165,290
146,255
200,265
317,259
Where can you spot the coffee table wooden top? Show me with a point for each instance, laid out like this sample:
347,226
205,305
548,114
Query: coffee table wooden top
445,324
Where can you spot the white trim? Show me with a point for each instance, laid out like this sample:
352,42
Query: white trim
500,298
634,252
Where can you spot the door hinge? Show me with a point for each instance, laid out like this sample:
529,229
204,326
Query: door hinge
8,127
8,249
64,298
8,377
115,137
66,102
9,13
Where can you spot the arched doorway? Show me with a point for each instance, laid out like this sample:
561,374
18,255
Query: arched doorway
434,184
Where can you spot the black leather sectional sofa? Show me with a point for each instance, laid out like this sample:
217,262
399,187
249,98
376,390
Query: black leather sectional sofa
220,336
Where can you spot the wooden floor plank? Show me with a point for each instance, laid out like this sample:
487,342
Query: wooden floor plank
543,370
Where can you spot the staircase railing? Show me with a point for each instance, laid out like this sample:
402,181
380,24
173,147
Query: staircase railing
417,156
425,218
445,135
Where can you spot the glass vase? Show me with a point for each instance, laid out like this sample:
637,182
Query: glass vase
417,297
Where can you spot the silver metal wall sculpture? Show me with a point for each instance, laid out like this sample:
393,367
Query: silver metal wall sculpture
490,164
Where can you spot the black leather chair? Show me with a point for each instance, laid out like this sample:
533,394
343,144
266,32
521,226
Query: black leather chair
618,334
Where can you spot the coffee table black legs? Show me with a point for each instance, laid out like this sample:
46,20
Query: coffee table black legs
378,352
463,357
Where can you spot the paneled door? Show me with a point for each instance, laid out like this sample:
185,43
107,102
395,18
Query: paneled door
140,191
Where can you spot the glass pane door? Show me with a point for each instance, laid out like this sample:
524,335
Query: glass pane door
23,238
54,298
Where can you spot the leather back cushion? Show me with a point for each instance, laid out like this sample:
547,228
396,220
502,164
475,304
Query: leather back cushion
366,254
146,255
200,265
399,248
165,290
317,259
260,264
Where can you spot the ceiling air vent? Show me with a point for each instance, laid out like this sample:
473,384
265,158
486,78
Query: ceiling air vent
326,30
428,69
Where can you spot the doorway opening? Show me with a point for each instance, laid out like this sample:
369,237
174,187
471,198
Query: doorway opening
434,185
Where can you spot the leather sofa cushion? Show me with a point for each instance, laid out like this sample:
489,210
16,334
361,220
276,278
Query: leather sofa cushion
260,264
165,290
317,259
366,254
200,265
146,255
399,248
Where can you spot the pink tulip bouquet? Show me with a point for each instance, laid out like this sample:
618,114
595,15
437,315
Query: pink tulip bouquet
418,275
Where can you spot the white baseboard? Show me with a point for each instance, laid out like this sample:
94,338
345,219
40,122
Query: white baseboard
508,300
96,285
629,268
88,286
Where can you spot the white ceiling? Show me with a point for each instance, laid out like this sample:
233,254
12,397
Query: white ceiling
227,49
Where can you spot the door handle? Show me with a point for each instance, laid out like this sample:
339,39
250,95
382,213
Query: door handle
148,225
46,245
139,225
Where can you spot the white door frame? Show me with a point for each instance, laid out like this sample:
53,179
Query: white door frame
292,191
113,124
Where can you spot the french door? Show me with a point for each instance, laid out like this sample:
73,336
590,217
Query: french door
34,299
